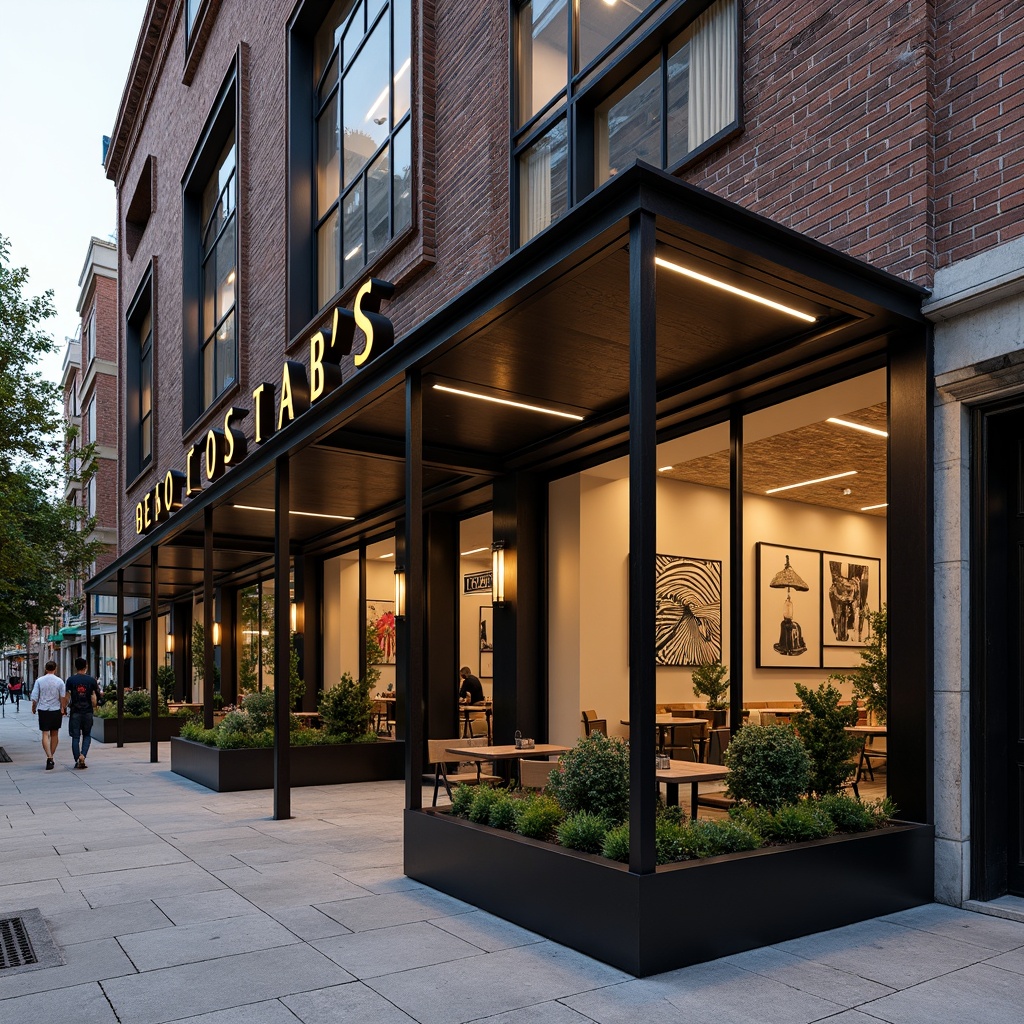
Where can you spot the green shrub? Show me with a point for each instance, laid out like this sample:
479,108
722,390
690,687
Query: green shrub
616,843
668,841
136,704
848,814
483,800
462,800
792,823
503,813
234,722
259,710
822,730
238,740
186,713
673,812
882,811
346,709
165,682
704,838
583,831
193,730
768,766
539,815
593,776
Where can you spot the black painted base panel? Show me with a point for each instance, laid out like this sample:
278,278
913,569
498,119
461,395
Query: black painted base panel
135,730
684,913
226,771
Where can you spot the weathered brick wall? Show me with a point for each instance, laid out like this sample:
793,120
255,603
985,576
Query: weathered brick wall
979,125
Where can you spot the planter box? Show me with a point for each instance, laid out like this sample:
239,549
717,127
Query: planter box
226,771
684,913
136,730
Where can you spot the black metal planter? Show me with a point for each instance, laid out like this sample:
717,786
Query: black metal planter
226,771
684,913
135,730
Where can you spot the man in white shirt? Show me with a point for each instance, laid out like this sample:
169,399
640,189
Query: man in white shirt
49,697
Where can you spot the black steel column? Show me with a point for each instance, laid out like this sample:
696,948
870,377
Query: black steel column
736,562
88,637
415,606
119,681
154,695
282,640
208,619
642,543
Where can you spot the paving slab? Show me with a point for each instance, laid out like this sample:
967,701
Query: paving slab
83,962
962,926
270,1011
204,906
307,922
84,924
82,1004
486,931
353,1003
420,904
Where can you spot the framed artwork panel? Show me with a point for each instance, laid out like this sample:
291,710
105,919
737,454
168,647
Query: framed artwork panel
486,641
381,616
788,606
688,617
851,588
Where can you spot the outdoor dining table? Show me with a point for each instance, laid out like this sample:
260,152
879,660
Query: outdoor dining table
867,731
506,753
693,772
665,722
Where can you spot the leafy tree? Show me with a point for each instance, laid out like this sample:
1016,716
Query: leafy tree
871,677
822,727
44,540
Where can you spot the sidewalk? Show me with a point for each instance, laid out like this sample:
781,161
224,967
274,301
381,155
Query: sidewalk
171,903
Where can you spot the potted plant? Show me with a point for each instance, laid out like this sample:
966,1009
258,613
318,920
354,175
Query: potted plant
711,681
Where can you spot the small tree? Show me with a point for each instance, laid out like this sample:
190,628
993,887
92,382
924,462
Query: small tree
871,679
712,682
165,683
768,766
822,726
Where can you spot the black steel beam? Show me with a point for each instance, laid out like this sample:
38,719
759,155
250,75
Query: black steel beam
415,567
282,641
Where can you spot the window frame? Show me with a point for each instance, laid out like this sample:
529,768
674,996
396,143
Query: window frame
224,120
143,302
648,37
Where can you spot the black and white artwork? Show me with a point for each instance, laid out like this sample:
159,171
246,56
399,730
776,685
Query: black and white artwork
688,623
852,589
486,641
788,607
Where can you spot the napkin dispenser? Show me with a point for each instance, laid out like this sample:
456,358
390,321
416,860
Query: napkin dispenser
523,743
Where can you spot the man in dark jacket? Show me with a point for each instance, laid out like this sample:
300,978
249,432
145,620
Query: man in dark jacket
83,695
471,691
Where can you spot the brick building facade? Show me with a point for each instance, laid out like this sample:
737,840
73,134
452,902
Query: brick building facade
887,131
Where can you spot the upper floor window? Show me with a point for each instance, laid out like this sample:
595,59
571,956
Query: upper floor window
191,11
90,419
89,347
596,91
210,260
219,274
362,137
138,382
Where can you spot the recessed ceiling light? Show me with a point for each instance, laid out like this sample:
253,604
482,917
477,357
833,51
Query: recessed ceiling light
807,483
871,508
293,512
507,401
857,426
665,469
475,551
390,554
732,289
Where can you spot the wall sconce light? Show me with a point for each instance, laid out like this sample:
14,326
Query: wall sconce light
170,643
498,573
126,645
216,634
400,591
298,617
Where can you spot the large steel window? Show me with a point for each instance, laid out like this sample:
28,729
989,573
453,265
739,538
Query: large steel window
594,94
362,56
138,382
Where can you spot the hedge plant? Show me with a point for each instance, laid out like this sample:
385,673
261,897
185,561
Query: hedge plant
768,766
822,727
593,776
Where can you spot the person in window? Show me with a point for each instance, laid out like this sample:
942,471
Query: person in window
471,691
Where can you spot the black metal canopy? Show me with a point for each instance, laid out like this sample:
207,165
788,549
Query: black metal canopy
548,327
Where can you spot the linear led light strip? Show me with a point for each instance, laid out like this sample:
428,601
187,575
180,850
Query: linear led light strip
807,483
506,401
313,515
857,426
475,551
715,283
871,508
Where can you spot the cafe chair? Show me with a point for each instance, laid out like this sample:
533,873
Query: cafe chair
591,723
381,723
535,774
870,751
686,742
439,758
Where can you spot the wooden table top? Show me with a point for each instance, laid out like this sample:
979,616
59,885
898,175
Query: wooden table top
865,730
671,720
692,771
506,751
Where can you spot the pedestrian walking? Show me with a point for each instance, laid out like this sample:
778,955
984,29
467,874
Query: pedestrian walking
83,696
49,698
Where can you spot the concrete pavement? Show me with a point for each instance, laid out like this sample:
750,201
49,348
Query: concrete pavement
170,903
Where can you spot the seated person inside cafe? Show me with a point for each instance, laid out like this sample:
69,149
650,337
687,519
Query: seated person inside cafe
471,691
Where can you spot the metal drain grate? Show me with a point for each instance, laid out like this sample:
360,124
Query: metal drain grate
15,945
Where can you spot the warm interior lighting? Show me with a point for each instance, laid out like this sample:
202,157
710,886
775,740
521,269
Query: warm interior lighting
507,401
231,278
665,469
298,617
807,483
498,572
353,252
170,643
390,554
216,634
475,551
400,591
871,508
733,290
313,515
857,426
384,95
